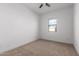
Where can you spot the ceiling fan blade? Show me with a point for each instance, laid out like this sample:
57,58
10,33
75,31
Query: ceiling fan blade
47,4
41,5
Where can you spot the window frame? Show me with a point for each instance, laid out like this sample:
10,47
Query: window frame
52,25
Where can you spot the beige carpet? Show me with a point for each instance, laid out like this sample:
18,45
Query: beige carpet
43,48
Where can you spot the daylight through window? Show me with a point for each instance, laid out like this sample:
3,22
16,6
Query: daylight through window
52,25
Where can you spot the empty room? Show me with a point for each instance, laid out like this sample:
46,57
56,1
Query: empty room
39,29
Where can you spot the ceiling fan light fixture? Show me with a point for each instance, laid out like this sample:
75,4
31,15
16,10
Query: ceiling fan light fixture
41,6
46,4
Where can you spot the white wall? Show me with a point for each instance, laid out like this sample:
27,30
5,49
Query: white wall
76,27
18,26
64,25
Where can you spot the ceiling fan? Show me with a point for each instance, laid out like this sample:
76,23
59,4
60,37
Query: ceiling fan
46,4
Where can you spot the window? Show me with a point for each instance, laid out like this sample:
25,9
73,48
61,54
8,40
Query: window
52,25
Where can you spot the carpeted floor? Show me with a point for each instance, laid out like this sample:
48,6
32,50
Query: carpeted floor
43,48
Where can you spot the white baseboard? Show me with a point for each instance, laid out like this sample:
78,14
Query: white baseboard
77,50
56,41
27,42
